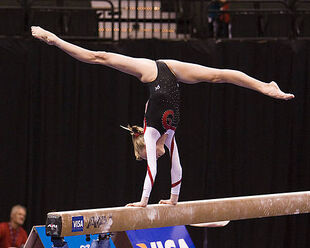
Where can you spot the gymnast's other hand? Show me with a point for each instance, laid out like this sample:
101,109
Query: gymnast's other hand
167,202
137,204
42,34
274,91
142,203
172,201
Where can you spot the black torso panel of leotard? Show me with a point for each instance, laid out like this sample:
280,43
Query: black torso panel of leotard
163,110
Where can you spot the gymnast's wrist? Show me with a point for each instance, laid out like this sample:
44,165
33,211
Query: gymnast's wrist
174,198
144,200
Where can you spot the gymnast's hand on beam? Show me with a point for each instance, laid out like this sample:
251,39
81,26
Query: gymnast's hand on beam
43,35
137,204
142,203
172,201
168,202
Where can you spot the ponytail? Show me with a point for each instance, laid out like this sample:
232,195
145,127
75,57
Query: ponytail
137,136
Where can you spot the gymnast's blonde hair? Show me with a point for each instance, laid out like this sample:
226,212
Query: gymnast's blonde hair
137,136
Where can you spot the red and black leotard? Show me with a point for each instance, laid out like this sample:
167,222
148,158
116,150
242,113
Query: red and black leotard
163,110
162,117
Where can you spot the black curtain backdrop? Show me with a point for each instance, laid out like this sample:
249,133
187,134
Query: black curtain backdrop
62,148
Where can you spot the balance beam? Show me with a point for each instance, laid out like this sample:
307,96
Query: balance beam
94,221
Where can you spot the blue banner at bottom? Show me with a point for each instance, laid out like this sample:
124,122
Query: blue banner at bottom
164,237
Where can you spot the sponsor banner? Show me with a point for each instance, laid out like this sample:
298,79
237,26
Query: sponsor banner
164,237
77,224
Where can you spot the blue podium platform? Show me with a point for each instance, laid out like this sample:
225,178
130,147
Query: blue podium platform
164,237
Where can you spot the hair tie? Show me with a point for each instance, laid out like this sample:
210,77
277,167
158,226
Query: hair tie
133,132
137,134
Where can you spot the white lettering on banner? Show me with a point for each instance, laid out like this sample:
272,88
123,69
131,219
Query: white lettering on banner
182,243
78,223
85,246
159,244
169,244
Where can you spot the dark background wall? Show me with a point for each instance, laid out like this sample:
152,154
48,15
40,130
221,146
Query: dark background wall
62,149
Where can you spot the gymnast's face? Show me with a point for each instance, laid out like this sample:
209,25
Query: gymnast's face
142,153
159,152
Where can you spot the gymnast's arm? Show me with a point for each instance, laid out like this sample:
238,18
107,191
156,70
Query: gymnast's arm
151,136
193,73
144,69
176,170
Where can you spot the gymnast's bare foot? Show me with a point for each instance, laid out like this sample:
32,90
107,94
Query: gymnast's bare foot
274,91
43,35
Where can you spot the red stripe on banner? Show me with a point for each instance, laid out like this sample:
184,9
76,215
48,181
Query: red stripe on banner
176,184
150,175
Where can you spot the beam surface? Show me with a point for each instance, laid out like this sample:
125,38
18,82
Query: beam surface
116,219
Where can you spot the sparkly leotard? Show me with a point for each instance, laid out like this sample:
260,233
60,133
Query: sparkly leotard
163,111
162,117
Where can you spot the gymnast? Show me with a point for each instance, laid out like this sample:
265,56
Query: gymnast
162,109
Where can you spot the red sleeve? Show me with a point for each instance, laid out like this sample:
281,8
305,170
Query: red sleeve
2,228
4,235
22,237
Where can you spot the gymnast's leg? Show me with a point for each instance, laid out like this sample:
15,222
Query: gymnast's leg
192,73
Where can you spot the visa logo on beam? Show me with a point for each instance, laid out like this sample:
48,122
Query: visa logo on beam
168,244
77,224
